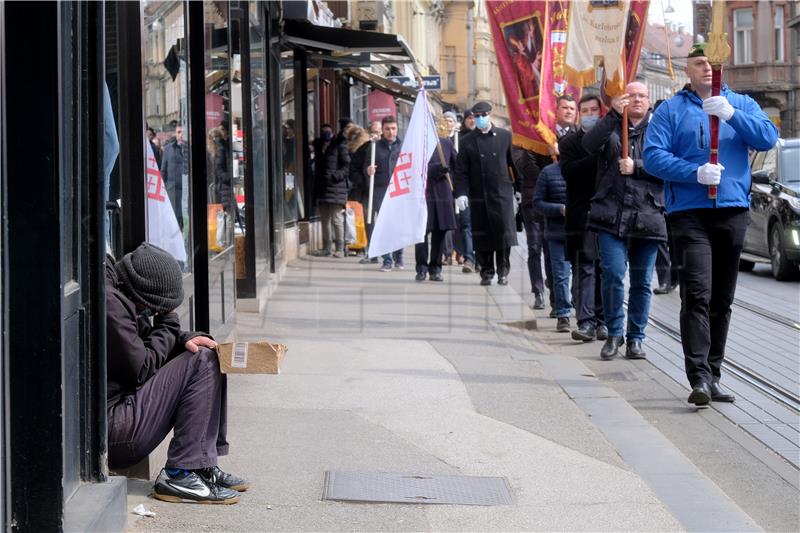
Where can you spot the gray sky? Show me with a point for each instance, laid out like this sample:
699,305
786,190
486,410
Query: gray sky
682,13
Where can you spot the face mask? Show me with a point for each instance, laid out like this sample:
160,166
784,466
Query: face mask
326,136
482,122
588,122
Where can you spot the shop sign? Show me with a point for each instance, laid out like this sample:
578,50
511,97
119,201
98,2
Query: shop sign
379,105
432,83
214,111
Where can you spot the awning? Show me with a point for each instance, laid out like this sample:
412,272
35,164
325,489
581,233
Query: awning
381,83
340,47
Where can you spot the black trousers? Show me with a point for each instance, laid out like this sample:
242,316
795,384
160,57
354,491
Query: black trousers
487,259
667,261
708,244
586,293
189,395
434,265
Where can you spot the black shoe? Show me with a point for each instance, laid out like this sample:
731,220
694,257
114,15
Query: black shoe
701,394
664,289
217,477
609,349
602,332
562,324
486,281
585,333
502,280
538,301
635,350
436,277
718,394
420,276
552,313
191,488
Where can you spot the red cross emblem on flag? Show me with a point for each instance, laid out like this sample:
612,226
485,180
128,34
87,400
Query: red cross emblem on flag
401,173
155,185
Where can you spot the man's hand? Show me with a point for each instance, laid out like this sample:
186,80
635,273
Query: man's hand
444,169
619,102
462,202
553,150
626,166
719,106
195,343
709,174
371,170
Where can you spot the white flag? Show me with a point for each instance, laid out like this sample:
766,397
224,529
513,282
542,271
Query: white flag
404,213
162,226
597,30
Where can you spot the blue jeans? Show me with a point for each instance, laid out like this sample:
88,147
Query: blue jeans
397,256
463,238
615,255
560,285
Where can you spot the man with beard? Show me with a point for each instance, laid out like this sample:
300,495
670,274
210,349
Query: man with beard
484,184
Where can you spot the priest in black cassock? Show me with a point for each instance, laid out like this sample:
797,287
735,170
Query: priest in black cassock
484,183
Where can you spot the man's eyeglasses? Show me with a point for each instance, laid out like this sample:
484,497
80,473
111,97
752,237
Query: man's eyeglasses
481,114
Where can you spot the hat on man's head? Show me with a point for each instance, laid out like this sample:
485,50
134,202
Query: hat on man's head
697,50
450,114
482,107
343,122
151,277
468,112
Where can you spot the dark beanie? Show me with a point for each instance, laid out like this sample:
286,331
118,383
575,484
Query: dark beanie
343,122
151,277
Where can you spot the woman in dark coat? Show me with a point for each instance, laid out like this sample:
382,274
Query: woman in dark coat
331,168
441,212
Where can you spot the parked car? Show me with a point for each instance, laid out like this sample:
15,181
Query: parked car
773,235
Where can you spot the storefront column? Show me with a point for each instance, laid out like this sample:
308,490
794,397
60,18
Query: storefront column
302,152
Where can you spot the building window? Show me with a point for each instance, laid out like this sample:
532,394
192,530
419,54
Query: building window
779,44
743,36
451,81
450,67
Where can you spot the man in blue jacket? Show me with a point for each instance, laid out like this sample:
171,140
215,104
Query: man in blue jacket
708,233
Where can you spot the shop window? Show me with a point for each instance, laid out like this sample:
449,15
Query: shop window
292,196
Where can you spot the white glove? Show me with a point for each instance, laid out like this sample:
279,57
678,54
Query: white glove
462,202
718,105
518,197
709,174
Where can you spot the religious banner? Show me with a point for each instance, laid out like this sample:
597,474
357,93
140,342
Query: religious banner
404,211
531,40
162,226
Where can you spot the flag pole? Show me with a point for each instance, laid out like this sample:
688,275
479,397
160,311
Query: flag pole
625,109
439,148
371,182
717,52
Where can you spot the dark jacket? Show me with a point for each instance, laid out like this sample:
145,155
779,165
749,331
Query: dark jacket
331,170
579,169
385,158
174,164
549,198
136,348
438,192
625,206
528,167
482,174
357,183
221,186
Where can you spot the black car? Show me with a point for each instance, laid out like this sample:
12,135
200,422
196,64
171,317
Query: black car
774,232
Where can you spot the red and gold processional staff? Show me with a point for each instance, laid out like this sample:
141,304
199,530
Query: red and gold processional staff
717,52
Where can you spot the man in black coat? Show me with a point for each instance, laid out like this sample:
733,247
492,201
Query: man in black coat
331,170
387,150
484,184
627,211
579,169
441,214
174,166
160,379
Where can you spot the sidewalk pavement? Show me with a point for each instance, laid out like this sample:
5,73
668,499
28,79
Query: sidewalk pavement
384,374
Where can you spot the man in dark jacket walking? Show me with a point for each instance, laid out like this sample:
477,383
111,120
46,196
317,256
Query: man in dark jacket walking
331,170
627,211
441,214
387,150
160,379
174,167
550,198
579,169
484,184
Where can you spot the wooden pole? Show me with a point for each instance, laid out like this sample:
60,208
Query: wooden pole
371,183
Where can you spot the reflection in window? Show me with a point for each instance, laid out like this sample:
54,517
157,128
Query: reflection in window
292,195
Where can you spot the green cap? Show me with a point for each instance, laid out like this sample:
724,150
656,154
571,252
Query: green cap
697,50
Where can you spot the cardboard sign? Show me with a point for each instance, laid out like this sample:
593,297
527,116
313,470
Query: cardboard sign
250,357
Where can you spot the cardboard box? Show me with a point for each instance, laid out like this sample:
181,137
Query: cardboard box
250,357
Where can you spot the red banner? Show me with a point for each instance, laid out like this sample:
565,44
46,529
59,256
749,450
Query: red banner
530,39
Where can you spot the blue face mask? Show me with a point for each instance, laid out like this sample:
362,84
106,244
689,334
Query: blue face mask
482,122
588,122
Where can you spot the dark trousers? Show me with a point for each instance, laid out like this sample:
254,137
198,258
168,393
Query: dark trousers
189,395
709,243
534,234
667,262
434,265
586,293
486,260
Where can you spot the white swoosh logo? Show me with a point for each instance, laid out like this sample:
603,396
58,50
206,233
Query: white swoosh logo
202,493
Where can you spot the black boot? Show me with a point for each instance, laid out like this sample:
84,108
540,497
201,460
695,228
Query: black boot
634,350
701,394
585,333
610,347
718,394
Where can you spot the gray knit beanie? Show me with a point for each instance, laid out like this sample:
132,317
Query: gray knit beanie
151,277
450,114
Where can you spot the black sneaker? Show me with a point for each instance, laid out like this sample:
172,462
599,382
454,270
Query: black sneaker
191,488
222,479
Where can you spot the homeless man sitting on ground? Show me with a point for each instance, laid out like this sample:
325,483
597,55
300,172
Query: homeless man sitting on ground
161,378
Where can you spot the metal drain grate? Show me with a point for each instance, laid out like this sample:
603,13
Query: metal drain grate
412,488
